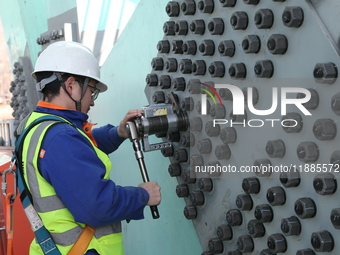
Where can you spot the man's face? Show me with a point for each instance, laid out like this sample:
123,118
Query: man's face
88,100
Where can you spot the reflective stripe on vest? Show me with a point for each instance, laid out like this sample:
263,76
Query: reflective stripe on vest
45,205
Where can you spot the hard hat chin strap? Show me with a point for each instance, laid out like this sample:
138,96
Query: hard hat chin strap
84,87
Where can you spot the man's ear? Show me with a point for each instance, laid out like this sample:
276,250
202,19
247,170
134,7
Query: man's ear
70,84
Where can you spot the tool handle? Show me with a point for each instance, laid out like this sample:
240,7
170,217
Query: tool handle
154,211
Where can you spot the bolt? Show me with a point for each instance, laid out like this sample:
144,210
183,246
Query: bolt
224,232
171,65
293,16
276,196
215,245
198,67
216,26
179,84
205,184
227,48
164,81
182,190
264,213
239,20
222,152
188,7
292,122
251,44
216,69
256,228
251,185
197,27
163,46
181,27
325,73
158,97
157,64
172,9
264,69
245,244
277,243
169,28
264,18
325,184
174,169
291,226
237,71
305,208
151,79
308,152
244,202
322,241
185,66
234,217
277,44
190,212
207,48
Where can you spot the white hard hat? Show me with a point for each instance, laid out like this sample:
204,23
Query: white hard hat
69,57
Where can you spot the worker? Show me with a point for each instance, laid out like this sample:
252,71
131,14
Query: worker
66,165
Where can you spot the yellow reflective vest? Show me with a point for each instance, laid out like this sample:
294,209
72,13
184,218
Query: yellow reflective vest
57,219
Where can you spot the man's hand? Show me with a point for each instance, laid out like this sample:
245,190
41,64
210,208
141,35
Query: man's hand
133,113
154,192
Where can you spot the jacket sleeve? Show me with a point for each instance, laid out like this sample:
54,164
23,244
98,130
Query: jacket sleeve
107,138
72,167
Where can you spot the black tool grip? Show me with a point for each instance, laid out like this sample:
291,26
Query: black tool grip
154,211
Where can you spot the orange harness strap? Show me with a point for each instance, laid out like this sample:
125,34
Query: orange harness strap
79,248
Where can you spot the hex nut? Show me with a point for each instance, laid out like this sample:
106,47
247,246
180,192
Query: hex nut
276,196
254,95
197,27
292,16
291,226
199,106
181,27
164,82
169,28
325,184
176,46
267,252
335,218
158,97
325,73
196,160
222,152
263,167
335,104
324,129
205,184
196,124
277,44
251,44
189,47
292,122
307,152
264,18
216,69
157,64
171,65
188,7
237,71
182,190
228,135
194,86
305,252
256,228
190,212
207,47
179,84
228,3
227,48
185,66
264,69
224,232
234,252
277,243
212,130
322,241
245,244
175,169
215,245
151,79
254,2
251,185
163,46
217,111
206,6
313,101
197,197
216,26
204,146
172,9
188,140
291,178
244,202
234,217
188,176
198,67
276,148
239,20
305,208
264,213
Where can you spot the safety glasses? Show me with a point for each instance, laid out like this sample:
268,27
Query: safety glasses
94,94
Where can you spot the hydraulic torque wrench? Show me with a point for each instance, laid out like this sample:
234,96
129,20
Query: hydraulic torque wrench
132,131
